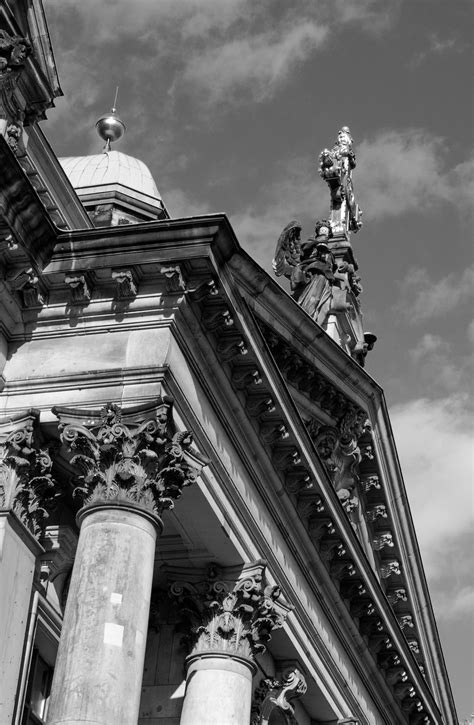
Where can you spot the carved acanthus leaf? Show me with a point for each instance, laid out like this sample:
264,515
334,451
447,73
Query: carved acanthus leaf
26,484
129,455
233,615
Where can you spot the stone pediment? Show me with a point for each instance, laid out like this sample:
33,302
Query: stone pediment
302,408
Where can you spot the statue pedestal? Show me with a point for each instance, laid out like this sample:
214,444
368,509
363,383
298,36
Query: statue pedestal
218,689
99,667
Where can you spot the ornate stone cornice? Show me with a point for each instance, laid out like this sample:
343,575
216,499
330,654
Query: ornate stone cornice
232,611
26,484
129,455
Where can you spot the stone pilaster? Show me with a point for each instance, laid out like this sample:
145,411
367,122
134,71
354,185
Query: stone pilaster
27,492
228,617
132,465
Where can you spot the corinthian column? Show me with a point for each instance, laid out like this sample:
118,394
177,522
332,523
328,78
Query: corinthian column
229,617
27,492
132,467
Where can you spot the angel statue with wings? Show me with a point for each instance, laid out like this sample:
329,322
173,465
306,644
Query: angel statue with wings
310,266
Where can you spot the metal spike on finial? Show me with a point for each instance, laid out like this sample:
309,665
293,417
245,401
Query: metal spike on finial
109,126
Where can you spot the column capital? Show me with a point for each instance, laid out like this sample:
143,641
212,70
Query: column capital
232,610
129,455
26,485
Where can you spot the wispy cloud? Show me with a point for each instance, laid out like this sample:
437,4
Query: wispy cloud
434,441
435,46
256,65
422,297
209,48
297,193
439,365
405,171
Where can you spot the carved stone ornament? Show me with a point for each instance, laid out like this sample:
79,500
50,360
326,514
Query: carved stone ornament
273,694
126,288
173,278
335,167
129,455
80,290
26,485
232,611
397,595
388,568
28,284
14,50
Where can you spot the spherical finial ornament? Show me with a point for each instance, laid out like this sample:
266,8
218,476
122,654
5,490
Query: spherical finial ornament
110,128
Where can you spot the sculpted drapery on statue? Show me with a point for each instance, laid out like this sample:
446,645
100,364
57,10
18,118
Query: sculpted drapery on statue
335,166
322,270
318,283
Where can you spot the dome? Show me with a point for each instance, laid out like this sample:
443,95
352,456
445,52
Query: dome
110,168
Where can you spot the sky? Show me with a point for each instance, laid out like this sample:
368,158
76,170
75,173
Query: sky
229,103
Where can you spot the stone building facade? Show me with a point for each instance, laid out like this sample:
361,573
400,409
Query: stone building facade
202,515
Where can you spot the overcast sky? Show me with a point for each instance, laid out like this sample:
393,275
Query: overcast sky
229,102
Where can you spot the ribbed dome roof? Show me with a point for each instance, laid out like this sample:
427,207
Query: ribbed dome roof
110,167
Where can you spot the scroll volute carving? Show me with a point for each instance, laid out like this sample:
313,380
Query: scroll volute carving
229,611
26,485
129,455
274,696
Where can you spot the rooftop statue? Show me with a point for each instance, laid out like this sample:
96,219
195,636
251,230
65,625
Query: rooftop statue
335,167
322,270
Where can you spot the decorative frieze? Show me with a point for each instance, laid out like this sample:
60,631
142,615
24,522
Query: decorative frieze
129,455
229,611
26,484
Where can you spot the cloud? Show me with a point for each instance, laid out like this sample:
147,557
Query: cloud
298,193
256,65
406,171
434,442
373,15
210,47
179,204
455,604
422,298
436,45
442,367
